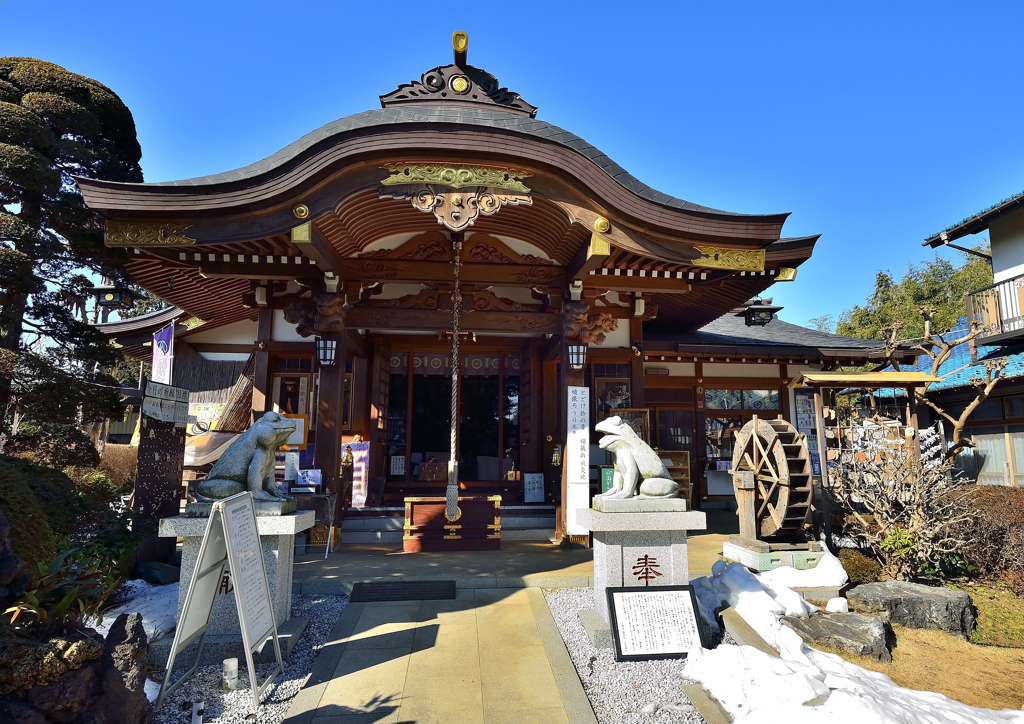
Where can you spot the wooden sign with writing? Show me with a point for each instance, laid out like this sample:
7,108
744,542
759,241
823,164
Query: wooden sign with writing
231,540
654,623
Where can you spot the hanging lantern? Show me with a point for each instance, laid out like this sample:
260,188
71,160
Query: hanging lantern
759,313
114,297
325,351
577,355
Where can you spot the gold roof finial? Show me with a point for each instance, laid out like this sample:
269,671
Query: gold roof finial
460,44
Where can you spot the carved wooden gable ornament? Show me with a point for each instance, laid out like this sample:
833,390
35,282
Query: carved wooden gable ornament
456,194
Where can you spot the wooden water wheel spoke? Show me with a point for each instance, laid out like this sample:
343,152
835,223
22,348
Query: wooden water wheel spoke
777,456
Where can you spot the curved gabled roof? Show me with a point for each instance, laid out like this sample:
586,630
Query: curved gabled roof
440,117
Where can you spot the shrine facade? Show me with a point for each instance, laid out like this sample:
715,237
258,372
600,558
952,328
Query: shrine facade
337,273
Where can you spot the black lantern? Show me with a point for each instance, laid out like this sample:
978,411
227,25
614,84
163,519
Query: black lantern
577,355
114,297
759,312
326,350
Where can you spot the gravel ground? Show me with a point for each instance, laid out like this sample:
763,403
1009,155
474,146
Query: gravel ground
236,707
629,692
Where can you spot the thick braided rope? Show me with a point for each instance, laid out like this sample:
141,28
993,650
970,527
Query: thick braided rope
451,510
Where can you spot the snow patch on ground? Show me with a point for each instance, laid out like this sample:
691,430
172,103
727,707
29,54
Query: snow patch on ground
804,686
157,604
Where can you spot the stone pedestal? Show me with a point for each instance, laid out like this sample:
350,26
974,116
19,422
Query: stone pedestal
761,556
638,549
277,536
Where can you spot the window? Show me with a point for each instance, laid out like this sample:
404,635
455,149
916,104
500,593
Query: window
723,399
675,429
990,409
720,434
1015,406
741,399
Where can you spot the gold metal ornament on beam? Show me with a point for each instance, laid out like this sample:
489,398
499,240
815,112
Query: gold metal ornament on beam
456,211
301,211
456,176
602,224
147,233
721,258
786,274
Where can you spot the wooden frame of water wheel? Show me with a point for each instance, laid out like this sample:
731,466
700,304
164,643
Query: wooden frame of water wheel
771,472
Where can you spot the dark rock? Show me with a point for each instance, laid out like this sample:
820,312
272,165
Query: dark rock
159,574
67,697
124,677
855,633
916,606
17,712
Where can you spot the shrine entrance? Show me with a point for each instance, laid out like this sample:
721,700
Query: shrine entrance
488,440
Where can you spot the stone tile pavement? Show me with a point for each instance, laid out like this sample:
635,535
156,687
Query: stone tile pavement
490,656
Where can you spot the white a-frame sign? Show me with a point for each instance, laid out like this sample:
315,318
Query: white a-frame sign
231,540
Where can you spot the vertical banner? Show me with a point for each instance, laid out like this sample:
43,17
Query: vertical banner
360,467
577,458
163,354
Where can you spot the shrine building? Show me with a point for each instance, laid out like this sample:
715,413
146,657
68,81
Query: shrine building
325,277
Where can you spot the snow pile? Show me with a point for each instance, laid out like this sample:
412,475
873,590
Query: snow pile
157,604
804,685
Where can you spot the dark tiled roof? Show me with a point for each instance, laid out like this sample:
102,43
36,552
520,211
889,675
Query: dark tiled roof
154,320
732,332
978,222
456,115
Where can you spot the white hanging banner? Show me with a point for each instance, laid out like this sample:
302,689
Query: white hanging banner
163,354
577,458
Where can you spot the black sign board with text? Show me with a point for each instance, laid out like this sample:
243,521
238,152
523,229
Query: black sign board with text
654,622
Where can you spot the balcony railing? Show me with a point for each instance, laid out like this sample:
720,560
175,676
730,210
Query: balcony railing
998,308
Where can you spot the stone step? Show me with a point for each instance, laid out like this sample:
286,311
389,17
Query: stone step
392,523
544,534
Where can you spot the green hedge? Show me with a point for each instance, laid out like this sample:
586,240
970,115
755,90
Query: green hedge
43,506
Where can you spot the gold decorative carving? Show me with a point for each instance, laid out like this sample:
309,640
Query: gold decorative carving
578,323
454,210
147,233
786,274
456,177
739,259
602,224
301,211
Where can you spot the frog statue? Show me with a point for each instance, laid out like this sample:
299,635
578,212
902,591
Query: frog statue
639,471
248,463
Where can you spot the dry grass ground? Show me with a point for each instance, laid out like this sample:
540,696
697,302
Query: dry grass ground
928,660
1000,615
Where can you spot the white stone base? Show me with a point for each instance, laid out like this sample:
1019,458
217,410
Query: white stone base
277,536
621,540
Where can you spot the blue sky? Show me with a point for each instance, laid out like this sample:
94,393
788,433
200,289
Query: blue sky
874,123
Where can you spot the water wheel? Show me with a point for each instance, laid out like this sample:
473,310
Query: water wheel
775,493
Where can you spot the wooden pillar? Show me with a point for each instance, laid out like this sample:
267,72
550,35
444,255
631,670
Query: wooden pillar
636,364
566,378
261,401
329,410
823,464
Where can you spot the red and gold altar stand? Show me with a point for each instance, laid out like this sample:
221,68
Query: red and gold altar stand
477,528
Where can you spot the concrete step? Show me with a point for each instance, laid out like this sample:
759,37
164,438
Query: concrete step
541,534
365,537
396,523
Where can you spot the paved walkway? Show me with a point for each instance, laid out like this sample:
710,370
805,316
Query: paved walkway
519,564
491,656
